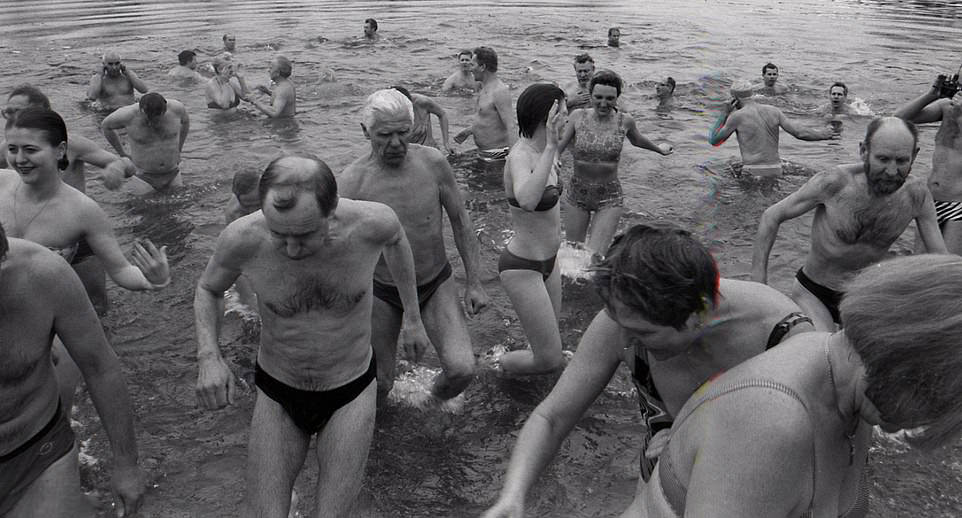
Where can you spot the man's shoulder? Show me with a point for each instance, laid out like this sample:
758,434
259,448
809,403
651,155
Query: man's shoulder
244,232
916,188
37,262
369,218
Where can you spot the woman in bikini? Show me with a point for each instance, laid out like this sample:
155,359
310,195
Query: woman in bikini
527,264
226,89
36,205
594,199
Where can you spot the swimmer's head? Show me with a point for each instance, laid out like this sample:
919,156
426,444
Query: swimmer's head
386,104
280,67
614,37
742,90
769,74
230,42
50,124
387,118
370,27
911,371
153,105
660,272
534,104
584,68
485,59
838,93
222,63
289,175
112,63
464,60
22,97
887,153
665,88
187,59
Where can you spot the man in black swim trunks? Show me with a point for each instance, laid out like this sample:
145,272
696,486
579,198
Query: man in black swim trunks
310,257
860,210
417,182
40,298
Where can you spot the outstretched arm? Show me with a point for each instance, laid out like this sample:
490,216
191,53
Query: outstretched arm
151,270
924,108
115,168
639,140
724,126
804,133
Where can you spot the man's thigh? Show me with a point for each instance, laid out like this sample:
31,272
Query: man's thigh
56,493
276,452
444,321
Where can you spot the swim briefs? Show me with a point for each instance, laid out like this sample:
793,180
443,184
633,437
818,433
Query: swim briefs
827,296
948,211
494,155
388,292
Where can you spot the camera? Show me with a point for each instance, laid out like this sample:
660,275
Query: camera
947,86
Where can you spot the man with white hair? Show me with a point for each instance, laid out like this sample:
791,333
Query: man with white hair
756,127
417,182
114,84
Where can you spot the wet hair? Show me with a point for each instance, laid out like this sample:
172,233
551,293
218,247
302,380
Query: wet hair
285,66
47,121
911,371
185,56
838,83
659,270
465,51
533,106
403,91
372,22
612,29
290,181
4,244
877,124
153,104
670,81
606,77
767,66
584,58
389,101
245,181
224,38
34,96
486,56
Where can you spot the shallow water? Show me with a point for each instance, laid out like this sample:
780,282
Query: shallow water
434,462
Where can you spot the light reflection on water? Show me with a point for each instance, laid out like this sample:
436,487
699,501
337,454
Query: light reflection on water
427,462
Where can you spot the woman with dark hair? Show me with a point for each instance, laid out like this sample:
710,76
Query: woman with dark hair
36,205
226,89
787,432
594,200
527,264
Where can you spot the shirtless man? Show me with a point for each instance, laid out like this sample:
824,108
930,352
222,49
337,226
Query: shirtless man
370,29
756,127
187,67
945,182
424,107
494,127
838,99
283,97
156,131
860,210
463,77
113,85
230,43
576,92
614,37
417,182
42,298
310,257
664,92
769,84
245,199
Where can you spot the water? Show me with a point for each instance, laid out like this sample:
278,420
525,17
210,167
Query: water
449,462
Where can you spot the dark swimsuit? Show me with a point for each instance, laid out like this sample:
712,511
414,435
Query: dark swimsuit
235,100
510,261
829,298
312,409
22,466
388,292
652,407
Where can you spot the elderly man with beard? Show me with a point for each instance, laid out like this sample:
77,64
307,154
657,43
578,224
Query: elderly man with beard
860,210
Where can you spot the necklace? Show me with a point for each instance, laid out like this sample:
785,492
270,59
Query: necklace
16,222
849,435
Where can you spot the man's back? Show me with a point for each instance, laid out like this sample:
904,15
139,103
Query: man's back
757,133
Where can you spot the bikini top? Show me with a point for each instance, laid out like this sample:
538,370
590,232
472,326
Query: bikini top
598,141
549,198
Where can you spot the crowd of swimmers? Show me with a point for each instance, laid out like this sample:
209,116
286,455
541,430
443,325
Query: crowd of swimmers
755,403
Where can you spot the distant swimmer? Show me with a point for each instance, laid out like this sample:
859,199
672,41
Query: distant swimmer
463,77
187,67
245,199
943,103
860,210
494,128
42,299
614,37
283,96
230,43
310,257
756,127
418,183
424,107
226,89
769,84
838,99
370,30
114,84
577,94
156,131
665,93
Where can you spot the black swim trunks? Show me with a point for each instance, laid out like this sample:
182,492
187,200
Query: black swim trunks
83,252
388,292
22,466
309,409
829,298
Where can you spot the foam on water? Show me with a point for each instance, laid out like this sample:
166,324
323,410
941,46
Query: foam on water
574,262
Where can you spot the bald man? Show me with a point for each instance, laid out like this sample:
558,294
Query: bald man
113,85
756,127
310,257
860,210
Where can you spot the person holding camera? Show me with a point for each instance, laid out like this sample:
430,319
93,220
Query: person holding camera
113,85
941,103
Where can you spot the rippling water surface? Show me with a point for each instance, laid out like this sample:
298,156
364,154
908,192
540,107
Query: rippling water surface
429,462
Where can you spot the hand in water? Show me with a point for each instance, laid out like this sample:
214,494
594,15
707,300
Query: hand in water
414,340
216,385
666,149
657,444
152,261
475,299
128,485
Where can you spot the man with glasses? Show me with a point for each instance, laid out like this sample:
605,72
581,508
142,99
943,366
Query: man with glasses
113,85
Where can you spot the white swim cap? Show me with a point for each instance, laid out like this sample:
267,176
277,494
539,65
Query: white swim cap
742,89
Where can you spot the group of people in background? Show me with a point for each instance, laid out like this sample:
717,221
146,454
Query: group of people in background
754,402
